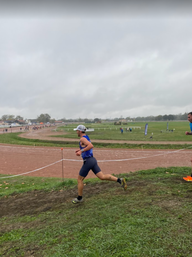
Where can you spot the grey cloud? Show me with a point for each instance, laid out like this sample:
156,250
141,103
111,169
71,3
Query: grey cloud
95,67
101,8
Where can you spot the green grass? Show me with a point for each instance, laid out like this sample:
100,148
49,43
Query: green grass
110,131
16,185
152,218
13,138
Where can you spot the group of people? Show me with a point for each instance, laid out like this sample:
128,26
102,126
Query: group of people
90,163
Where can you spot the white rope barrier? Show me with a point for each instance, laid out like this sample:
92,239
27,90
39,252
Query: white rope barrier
69,149
32,170
130,159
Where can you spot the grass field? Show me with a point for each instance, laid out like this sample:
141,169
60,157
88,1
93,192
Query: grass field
13,138
158,130
151,218
112,132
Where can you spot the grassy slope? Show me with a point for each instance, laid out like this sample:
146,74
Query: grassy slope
152,218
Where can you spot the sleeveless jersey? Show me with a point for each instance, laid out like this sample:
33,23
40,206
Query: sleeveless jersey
88,153
190,124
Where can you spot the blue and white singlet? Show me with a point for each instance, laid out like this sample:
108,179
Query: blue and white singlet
86,154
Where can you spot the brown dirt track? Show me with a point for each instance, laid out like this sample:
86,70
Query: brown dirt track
22,159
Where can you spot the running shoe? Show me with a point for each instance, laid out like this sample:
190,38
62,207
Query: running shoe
75,200
123,183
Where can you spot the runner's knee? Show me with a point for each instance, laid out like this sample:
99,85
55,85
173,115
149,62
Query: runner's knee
80,179
100,176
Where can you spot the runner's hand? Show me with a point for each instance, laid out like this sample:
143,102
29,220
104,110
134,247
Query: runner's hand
78,152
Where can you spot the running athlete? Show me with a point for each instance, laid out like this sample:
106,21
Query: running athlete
90,163
189,117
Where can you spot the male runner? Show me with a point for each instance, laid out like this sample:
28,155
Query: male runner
189,117
90,163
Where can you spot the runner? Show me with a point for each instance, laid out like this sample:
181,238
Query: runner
189,117
90,163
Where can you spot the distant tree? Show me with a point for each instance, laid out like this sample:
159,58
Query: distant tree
97,120
52,121
184,116
18,117
4,117
11,117
44,118
158,118
165,117
87,121
170,117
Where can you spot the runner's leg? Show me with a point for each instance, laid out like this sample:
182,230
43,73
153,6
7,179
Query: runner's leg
102,176
80,185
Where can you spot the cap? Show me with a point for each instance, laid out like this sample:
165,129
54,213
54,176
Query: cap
80,128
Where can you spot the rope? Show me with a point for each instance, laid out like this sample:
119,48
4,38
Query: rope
32,170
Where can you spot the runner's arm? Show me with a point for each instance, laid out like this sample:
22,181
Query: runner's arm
88,145
188,133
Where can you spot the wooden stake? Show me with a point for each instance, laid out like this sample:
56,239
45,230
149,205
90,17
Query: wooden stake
62,164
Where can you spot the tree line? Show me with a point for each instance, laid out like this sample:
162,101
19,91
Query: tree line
163,117
47,118
41,118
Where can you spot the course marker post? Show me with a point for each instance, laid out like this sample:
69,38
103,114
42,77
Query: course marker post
62,164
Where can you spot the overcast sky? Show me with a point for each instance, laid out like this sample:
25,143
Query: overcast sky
95,61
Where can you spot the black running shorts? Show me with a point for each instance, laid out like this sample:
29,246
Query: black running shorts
89,164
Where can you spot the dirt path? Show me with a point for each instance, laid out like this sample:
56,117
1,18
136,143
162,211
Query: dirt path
46,161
